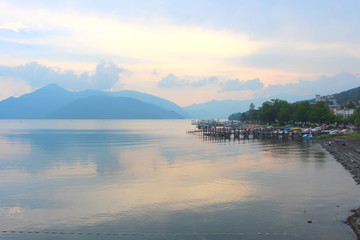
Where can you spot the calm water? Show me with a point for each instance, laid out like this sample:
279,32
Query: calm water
150,177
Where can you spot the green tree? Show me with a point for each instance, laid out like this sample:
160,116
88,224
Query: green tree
356,117
284,111
321,114
267,113
350,105
302,112
235,116
251,112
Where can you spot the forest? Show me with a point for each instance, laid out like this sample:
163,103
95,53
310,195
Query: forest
279,111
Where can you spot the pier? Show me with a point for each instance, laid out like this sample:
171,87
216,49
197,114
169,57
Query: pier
234,130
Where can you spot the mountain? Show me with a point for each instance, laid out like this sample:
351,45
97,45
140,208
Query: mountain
344,97
37,104
51,101
215,109
347,96
166,104
106,107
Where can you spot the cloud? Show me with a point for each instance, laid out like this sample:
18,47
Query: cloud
205,82
37,75
12,87
322,85
304,57
15,27
106,75
144,39
238,85
171,81
155,72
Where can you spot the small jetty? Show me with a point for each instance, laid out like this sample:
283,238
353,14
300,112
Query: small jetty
223,130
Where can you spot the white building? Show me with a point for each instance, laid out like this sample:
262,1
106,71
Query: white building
345,113
329,99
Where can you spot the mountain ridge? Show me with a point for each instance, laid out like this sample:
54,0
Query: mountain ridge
108,107
44,102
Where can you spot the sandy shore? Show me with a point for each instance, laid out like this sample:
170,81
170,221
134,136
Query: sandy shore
347,152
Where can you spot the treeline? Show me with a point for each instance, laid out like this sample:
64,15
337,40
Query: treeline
282,112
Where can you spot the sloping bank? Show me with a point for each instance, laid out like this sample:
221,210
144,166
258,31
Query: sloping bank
347,152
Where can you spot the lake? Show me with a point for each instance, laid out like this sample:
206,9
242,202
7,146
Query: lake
148,179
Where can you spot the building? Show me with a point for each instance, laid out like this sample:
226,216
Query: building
345,113
328,100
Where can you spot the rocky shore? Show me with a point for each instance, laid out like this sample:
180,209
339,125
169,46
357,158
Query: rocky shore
347,153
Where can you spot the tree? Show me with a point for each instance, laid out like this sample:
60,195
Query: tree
350,105
302,112
284,111
251,112
267,113
356,117
235,116
321,114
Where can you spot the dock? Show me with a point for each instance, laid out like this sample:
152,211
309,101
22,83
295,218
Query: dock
228,130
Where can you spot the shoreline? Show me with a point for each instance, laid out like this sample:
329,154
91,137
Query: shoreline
347,153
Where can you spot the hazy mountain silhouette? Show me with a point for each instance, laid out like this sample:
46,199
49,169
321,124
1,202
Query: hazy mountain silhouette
37,104
144,97
51,101
221,109
216,109
106,107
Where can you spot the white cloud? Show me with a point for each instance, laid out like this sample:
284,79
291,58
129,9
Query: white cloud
13,26
101,34
322,85
171,81
238,85
106,75
36,75
13,87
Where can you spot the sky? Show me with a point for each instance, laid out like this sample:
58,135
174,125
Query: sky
188,51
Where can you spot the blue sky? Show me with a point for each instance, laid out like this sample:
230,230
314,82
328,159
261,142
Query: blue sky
201,49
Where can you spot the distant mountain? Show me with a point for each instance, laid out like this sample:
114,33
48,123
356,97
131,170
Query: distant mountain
166,104
343,98
52,101
215,109
221,109
106,107
347,96
37,104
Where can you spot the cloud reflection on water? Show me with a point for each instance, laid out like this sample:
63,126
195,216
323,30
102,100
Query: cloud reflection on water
100,173
112,180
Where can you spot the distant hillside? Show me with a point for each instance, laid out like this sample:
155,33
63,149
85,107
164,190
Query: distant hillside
106,107
53,101
220,109
37,104
166,104
223,109
347,96
213,109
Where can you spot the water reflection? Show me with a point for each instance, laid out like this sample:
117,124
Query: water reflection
136,180
36,150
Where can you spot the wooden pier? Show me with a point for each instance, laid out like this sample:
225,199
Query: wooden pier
230,130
